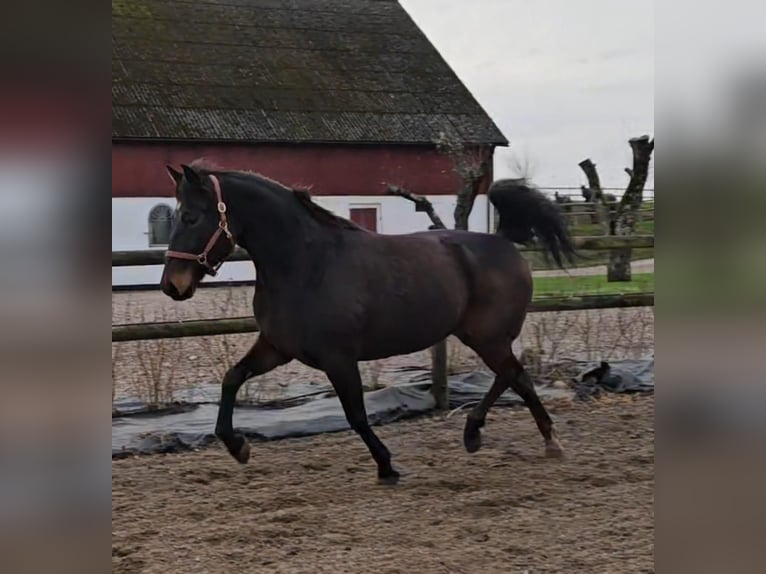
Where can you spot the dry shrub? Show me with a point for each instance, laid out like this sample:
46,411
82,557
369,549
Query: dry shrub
158,363
224,351
551,342
158,360
370,372
460,358
531,359
146,370
221,351
549,334
634,330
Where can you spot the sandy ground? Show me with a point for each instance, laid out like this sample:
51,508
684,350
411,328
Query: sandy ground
312,505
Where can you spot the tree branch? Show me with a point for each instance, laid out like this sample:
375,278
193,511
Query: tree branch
590,172
421,204
596,195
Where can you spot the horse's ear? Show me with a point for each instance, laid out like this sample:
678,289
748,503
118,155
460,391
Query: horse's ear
191,175
176,176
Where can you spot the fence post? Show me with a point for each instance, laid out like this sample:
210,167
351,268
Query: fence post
439,386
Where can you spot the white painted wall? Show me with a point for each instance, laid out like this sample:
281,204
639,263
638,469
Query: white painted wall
130,216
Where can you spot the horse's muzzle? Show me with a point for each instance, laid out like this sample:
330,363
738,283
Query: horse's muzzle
172,291
179,284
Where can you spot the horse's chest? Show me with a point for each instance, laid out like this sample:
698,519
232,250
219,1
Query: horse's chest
279,323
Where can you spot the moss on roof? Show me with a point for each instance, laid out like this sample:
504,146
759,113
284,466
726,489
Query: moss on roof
284,70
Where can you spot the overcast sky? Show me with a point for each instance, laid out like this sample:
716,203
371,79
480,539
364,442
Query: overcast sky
562,79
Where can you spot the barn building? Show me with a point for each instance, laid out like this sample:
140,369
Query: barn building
341,96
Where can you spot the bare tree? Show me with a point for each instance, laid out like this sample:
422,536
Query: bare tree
622,216
421,204
471,163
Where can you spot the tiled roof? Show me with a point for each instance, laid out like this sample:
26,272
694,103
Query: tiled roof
284,71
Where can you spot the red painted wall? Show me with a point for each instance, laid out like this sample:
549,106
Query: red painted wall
138,169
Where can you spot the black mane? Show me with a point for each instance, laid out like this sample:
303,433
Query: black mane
321,214
303,196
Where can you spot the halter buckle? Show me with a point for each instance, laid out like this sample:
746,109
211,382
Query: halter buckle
224,226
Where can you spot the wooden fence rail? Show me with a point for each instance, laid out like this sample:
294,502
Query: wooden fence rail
202,327
593,243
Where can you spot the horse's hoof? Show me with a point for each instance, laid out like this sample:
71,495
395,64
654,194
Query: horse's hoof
389,478
553,449
242,453
472,441
472,435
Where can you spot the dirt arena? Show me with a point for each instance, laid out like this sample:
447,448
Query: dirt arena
312,505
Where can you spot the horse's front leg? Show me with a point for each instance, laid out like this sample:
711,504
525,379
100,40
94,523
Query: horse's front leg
260,359
345,379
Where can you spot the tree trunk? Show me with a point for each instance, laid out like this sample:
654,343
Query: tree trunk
628,209
466,199
621,219
464,205
626,213
618,268
600,207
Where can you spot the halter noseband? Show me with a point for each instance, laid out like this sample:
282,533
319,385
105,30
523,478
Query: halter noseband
223,229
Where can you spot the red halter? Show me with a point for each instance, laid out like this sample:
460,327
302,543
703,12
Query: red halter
223,228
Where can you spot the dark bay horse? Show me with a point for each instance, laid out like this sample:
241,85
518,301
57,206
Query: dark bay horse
330,294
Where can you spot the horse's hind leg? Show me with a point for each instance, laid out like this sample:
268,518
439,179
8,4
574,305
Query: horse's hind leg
510,372
260,359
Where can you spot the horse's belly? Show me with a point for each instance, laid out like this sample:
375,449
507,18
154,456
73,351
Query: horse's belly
394,347
404,334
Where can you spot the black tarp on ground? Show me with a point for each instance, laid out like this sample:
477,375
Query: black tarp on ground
624,376
314,411
173,432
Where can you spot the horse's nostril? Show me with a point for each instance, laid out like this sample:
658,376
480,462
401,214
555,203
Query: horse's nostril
170,290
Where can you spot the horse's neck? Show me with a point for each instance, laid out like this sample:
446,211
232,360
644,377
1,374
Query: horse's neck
281,244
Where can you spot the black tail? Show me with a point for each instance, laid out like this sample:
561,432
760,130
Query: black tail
527,215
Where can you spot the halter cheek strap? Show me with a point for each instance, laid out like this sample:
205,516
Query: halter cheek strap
223,229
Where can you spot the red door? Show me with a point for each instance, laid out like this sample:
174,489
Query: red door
366,217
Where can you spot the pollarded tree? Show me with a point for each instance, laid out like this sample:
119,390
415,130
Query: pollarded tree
620,218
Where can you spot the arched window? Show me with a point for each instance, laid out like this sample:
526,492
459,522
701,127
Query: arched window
160,223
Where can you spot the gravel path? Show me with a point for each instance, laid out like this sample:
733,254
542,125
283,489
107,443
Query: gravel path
311,505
